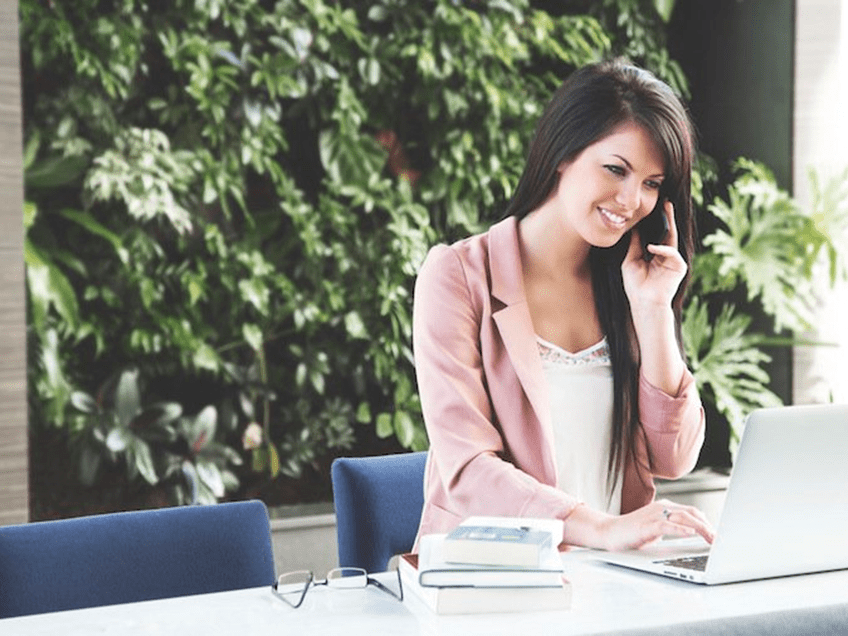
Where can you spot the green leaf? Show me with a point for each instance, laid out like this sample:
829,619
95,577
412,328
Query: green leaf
87,221
404,428
255,292
30,215
665,8
210,475
829,216
221,454
727,361
259,459
300,374
155,422
348,159
189,472
369,69
363,413
253,336
48,288
54,172
144,462
55,383
355,326
763,244
119,439
205,357
202,429
377,13
127,397
318,381
143,173
273,460
31,146
84,402
385,426
231,482
89,465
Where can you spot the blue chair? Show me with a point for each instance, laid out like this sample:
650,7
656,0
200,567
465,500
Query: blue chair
378,502
134,556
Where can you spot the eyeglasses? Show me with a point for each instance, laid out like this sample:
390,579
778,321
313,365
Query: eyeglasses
293,586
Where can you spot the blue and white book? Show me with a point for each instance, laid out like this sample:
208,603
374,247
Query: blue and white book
435,571
502,541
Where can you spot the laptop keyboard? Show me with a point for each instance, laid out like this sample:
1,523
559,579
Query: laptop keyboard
698,563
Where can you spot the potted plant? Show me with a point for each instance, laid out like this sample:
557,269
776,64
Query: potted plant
753,287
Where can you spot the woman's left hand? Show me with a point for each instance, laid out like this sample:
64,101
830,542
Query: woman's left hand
653,283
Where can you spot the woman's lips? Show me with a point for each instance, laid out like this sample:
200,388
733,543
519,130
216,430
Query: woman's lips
616,220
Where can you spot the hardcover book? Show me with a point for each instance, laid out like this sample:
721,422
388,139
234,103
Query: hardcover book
435,571
502,541
475,600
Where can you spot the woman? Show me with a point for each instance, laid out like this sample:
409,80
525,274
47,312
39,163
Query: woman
547,349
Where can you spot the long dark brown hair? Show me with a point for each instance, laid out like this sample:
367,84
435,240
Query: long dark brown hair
593,101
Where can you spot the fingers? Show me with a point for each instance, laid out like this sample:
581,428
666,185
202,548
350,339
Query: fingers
671,237
670,258
676,519
668,245
650,523
634,250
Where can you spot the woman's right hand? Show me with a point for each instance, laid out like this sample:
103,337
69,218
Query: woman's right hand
635,529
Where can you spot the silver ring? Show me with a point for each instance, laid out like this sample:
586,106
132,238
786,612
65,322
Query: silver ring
666,513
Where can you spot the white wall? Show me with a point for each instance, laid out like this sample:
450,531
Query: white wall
821,142
305,543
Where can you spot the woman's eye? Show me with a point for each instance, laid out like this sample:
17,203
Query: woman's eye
617,170
653,185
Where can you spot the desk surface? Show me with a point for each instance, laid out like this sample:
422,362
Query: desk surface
605,598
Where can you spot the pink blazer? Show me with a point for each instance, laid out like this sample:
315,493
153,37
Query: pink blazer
484,395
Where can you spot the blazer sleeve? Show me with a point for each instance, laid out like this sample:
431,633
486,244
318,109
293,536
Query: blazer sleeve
674,427
466,446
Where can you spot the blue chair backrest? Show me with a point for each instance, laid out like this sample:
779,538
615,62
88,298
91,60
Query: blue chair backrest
134,556
378,502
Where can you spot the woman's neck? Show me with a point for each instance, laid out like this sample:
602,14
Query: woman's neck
550,249
558,283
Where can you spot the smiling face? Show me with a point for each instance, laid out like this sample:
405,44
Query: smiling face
610,186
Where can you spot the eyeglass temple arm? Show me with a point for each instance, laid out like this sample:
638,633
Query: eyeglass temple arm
377,583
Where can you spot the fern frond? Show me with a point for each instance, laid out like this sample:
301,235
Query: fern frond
727,362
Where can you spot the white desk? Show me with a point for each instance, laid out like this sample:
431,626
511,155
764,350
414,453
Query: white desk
605,598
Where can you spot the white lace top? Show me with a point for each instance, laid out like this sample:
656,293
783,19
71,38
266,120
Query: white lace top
581,391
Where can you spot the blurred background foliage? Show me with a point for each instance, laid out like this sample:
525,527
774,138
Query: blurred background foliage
228,200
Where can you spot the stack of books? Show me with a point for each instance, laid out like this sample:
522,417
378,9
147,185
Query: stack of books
489,564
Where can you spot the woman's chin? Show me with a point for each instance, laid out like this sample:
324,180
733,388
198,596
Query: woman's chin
609,242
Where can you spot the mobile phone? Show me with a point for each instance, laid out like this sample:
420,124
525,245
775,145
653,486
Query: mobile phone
653,228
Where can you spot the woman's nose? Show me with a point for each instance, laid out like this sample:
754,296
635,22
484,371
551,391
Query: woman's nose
629,195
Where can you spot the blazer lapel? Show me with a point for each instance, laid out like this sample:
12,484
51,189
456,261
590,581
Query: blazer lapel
516,327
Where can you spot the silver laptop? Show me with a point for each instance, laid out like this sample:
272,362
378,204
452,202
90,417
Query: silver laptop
786,508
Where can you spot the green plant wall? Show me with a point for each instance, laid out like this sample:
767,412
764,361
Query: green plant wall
229,200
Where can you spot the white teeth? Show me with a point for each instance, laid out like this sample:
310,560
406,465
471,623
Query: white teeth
613,218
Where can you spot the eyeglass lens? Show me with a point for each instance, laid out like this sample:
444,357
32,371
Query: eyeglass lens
347,578
292,586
